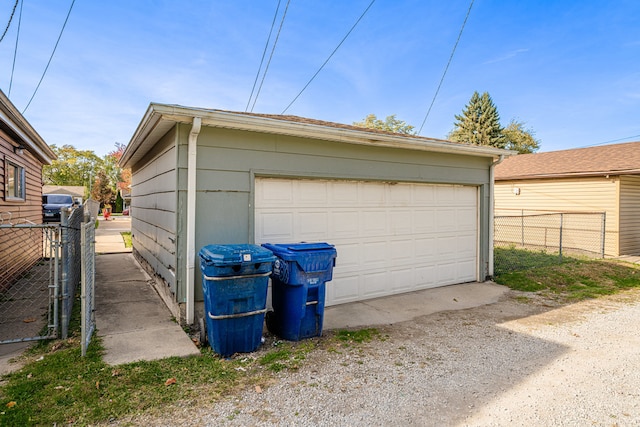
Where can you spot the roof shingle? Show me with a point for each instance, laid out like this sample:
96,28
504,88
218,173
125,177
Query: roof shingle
615,159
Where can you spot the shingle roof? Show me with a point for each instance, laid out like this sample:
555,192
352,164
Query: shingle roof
615,159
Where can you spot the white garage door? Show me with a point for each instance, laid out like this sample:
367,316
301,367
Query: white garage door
390,237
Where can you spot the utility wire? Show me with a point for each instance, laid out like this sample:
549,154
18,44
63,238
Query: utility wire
51,57
266,68
266,45
15,49
446,68
609,142
10,19
332,53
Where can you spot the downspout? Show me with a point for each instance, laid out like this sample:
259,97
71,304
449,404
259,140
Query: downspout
191,217
492,211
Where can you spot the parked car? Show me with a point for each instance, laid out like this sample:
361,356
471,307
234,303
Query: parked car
51,205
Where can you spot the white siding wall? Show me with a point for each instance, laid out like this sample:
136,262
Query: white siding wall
154,210
630,215
570,194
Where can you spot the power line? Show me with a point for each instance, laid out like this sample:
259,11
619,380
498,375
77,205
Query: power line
446,68
10,19
51,57
609,142
266,45
266,68
15,49
332,53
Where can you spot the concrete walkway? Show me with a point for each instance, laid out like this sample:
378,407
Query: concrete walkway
132,320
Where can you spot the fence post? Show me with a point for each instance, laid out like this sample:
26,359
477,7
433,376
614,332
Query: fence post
561,221
603,232
522,227
66,273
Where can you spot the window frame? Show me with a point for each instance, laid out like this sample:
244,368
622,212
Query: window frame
16,172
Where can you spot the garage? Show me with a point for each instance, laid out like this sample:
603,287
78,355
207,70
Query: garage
405,212
390,237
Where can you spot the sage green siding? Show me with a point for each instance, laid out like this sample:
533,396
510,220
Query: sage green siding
153,208
229,160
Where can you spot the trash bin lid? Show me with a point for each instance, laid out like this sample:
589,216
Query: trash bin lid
292,251
221,255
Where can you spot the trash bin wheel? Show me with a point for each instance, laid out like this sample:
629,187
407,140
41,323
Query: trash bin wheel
203,331
269,319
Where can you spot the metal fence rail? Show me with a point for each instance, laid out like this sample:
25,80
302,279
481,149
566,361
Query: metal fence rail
554,234
29,282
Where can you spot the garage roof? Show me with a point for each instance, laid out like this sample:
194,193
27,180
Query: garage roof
615,159
160,118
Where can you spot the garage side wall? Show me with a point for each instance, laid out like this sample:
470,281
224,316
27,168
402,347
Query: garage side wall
228,161
153,211
630,215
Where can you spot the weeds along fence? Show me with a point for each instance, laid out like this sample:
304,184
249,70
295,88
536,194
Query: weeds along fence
550,234
40,268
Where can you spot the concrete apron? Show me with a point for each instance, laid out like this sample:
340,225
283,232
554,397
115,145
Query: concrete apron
408,306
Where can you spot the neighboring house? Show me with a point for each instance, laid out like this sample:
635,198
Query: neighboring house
125,192
404,212
75,191
22,154
595,179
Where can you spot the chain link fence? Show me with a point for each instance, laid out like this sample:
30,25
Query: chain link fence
531,240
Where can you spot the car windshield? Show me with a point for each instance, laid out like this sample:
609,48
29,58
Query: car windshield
56,199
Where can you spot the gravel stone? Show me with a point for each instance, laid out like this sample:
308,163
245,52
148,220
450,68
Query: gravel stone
518,362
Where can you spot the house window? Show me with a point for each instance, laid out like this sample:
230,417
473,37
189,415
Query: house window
15,183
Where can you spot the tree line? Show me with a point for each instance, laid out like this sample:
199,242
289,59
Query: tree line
478,124
100,176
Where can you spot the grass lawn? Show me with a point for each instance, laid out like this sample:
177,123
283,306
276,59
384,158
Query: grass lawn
573,279
126,236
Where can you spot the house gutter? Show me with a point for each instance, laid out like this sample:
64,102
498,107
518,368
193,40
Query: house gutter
492,202
191,218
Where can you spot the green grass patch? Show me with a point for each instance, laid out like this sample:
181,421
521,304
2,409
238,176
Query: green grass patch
126,236
358,336
574,279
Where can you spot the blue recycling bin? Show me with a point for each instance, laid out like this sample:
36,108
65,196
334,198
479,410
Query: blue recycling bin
300,273
235,279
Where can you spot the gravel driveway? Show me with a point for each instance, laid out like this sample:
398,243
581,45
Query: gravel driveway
518,362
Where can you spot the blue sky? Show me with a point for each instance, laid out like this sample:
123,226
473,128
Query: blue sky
569,69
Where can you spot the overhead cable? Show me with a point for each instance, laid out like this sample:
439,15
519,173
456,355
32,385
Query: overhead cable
15,50
332,53
609,142
266,68
10,19
446,68
51,57
264,52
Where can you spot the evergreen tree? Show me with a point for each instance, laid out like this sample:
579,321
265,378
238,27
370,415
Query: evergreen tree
479,123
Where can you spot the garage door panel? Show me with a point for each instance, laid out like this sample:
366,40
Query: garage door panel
374,284
390,238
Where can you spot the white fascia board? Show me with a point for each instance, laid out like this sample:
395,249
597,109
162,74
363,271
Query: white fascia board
172,114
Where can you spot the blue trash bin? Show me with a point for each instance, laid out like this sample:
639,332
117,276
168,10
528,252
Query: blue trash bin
300,273
234,282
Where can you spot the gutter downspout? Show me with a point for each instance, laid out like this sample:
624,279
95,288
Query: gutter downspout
492,207
191,218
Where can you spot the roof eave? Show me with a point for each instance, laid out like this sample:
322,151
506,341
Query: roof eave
159,118
12,118
589,174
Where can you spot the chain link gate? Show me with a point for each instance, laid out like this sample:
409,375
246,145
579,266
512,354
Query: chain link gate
29,282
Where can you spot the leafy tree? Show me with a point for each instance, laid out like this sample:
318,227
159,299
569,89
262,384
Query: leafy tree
102,189
390,124
520,139
72,167
479,123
